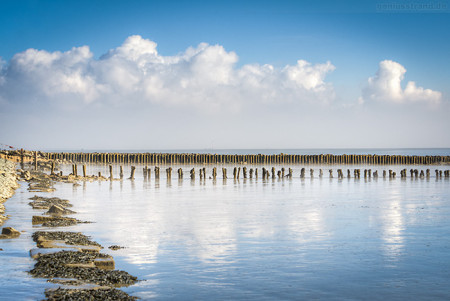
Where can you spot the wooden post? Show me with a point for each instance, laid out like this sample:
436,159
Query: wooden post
133,168
244,172
84,170
180,173
110,173
256,173
52,171
251,173
348,173
331,173
320,172
273,172
214,173
157,172
35,161
235,173
121,172
224,172
169,173
192,174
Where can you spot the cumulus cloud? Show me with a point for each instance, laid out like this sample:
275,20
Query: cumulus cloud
386,86
205,77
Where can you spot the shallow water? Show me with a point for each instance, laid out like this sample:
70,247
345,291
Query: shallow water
257,239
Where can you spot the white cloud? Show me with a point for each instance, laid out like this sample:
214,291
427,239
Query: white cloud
386,86
205,76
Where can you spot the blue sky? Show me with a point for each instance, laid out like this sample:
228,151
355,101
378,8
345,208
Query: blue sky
354,36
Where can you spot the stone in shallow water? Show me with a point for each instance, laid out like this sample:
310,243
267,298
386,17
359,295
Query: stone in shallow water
9,232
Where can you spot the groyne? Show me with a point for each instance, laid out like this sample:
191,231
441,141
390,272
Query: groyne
196,158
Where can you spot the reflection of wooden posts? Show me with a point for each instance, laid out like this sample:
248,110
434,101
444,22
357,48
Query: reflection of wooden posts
110,172
180,173
224,173
133,168
121,172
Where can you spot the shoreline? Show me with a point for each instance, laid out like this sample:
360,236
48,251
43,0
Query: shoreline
8,185
69,259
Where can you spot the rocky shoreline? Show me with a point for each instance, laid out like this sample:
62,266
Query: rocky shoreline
70,259
8,185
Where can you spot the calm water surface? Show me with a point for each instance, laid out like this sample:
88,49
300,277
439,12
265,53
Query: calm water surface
256,240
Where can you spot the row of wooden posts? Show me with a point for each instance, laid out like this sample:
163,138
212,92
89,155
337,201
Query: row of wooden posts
171,158
266,173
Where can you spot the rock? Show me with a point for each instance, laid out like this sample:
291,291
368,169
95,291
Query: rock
56,210
9,232
115,247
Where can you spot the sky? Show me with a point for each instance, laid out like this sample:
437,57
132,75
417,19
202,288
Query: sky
149,75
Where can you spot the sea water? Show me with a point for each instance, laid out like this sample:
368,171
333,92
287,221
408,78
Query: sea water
254,239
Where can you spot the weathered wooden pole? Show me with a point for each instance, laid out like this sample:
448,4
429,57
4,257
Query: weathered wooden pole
331,173
110,172
320,172
52,171
311,173
251,173
192,173
180,173
273,172
169,173
121,172
244,172
348,173
35,161
302,173
224,173
133,168
156,173
214,173
256,173
235,173
84,170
